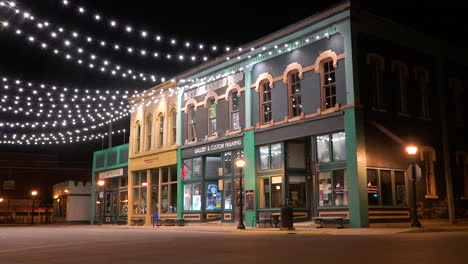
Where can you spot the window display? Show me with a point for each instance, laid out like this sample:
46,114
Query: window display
213,197
228,195
297,191
386,187
325,188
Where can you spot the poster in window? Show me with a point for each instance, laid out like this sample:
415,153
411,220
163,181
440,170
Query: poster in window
213,111
249,200
196,202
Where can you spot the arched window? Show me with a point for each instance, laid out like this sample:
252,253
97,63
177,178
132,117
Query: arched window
265,102
328,83
137,136
174,127
212,118
234,115
191,133
161,131
294,94
149,132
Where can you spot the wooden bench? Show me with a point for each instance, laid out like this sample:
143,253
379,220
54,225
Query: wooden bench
137,221
264,218
320,220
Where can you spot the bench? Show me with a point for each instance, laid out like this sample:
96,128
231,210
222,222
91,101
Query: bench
169,222
137,221
320,220
264,218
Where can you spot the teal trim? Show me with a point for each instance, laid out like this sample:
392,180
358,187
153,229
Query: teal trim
357,170
299,36
345,29
248,97
250,175
95,170
180,186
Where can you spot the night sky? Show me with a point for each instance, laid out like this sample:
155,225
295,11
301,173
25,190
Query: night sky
223,23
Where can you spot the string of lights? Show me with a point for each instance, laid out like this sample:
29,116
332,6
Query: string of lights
44,139
138,32
59,32
93,62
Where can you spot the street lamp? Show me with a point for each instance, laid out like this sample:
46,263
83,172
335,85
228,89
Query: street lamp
412,151
240,163
101,184
33,194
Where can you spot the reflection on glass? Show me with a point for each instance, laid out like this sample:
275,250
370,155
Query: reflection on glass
372,187
323,148
154,199
188,197
165,199
188,174
227,163
340,191
386,187
196,198
213,163
264,157
339,146
228,195
173,198
325,188
297,191
197,168
276,156
400,188
265,193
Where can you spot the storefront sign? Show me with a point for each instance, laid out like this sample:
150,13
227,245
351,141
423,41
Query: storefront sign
151,161
111,173
212,86
215,147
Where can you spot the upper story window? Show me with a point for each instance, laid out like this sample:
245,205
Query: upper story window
400,72
376,76
234,112
149,131
265,102
328,82
294,94
191,133
174,127
137,137
421,76
212,118
428,156
161,131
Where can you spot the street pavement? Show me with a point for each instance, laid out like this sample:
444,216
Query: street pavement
224,244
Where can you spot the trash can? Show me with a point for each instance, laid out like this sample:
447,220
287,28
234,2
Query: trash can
286,218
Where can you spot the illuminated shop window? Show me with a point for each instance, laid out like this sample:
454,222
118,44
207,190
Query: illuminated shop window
333,188
270,192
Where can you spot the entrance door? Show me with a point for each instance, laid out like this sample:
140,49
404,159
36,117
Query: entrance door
110,207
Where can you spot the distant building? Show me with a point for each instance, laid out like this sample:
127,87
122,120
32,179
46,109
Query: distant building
109,203
72,202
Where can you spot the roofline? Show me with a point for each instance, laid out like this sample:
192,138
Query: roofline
270,37
164,85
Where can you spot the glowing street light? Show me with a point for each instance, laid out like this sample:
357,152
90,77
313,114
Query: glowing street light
240,163
33,194
412,150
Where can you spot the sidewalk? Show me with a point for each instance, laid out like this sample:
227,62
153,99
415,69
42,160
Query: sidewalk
308,228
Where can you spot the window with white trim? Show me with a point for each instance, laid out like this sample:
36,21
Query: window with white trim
294,94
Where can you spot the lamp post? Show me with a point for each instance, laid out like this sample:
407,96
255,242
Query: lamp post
412,151
240,163
101,184
33,194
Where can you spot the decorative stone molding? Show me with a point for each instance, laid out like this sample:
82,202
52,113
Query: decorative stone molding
228,132
230,89
261,77
291,67
188,103
324,55
209,95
